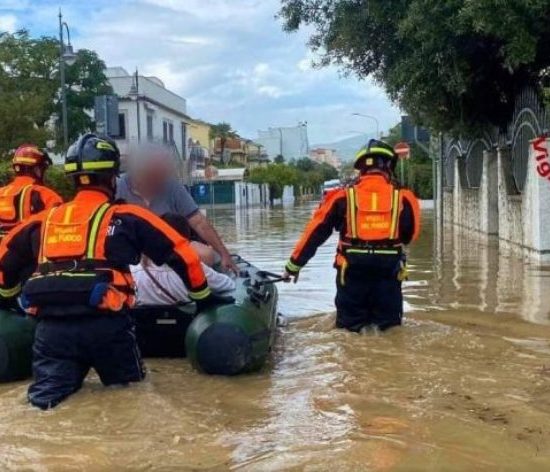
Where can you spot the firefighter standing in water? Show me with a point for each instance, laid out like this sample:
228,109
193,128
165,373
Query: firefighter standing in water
375,218
82,288
26,195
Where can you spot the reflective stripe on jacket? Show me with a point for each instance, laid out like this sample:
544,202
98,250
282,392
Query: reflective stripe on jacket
22,198
91,234
373,208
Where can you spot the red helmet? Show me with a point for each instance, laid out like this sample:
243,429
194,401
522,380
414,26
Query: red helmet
30,155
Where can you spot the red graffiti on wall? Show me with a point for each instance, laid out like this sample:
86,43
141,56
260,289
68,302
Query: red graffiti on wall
542,159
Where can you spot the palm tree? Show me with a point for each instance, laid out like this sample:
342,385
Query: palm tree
223,132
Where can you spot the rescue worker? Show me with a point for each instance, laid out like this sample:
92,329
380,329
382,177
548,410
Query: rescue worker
375,219
82,288
26,195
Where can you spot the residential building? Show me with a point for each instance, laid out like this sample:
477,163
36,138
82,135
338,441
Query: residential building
199,144
148,111
325,156
291,142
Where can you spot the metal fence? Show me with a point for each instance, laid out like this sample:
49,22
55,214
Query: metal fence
530,120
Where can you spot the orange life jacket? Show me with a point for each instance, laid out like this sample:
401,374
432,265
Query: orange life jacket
373,208
73,246
15,205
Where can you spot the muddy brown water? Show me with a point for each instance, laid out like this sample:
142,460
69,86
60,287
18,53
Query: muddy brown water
463,385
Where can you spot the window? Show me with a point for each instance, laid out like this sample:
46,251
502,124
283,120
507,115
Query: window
165,131
170,132
121,126
183,140
150,126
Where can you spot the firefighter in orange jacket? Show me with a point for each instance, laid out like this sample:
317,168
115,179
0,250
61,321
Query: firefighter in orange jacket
82,287
375,219
26,195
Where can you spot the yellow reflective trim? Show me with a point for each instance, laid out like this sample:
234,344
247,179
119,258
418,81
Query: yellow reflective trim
361,153
98,165
373,251
293,267
10,292
68,214
41,257
73,166
381,150
22,202
25,160
343,272
374,201
353,213
104,145
201,295
395,214
92,238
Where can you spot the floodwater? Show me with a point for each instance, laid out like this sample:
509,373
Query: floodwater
463,385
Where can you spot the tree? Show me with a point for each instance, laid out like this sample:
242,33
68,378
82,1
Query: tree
279,159
451,64
85,80
276,176
29,89
223,132
417,170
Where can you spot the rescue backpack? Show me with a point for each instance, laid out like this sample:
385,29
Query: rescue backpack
15,206
74,276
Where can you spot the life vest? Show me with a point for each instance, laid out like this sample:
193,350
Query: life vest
15,206
73,269
373,209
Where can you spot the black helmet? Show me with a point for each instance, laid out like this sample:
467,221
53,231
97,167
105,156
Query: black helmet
376,154
91,154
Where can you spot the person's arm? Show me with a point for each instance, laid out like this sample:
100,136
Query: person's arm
186,206
409,219
318,230
206,231
18,254
163,245
218,282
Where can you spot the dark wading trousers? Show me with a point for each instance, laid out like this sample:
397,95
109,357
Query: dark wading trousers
369,294
66,348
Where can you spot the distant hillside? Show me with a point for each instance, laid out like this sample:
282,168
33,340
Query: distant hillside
346,148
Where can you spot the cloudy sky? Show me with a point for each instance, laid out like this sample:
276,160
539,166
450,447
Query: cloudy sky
229,58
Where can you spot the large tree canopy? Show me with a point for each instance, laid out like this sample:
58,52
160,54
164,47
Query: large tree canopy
451,64
30,86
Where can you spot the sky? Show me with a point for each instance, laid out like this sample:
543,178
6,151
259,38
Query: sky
230,59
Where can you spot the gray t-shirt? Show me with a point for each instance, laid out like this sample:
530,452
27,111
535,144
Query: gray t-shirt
174,199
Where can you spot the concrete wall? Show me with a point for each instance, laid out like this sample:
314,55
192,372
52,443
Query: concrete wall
520,221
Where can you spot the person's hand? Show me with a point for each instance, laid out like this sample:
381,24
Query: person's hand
213,300
290,276
228,264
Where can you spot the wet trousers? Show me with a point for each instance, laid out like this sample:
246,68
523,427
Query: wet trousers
66,348
368,295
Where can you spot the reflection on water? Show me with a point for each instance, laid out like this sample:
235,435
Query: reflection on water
464,385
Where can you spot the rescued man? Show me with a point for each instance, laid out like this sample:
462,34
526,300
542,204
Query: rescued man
375,218
82,288
149,182
160,285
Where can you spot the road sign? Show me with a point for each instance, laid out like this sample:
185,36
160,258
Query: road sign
403,150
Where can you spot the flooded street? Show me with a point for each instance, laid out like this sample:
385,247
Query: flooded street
464,385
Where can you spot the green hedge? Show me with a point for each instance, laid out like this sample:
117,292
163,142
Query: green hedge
55,179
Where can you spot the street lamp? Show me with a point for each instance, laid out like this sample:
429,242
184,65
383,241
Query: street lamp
370,117
66,56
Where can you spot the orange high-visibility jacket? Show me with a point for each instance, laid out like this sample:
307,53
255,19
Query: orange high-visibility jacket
91,235
22,198
374,213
